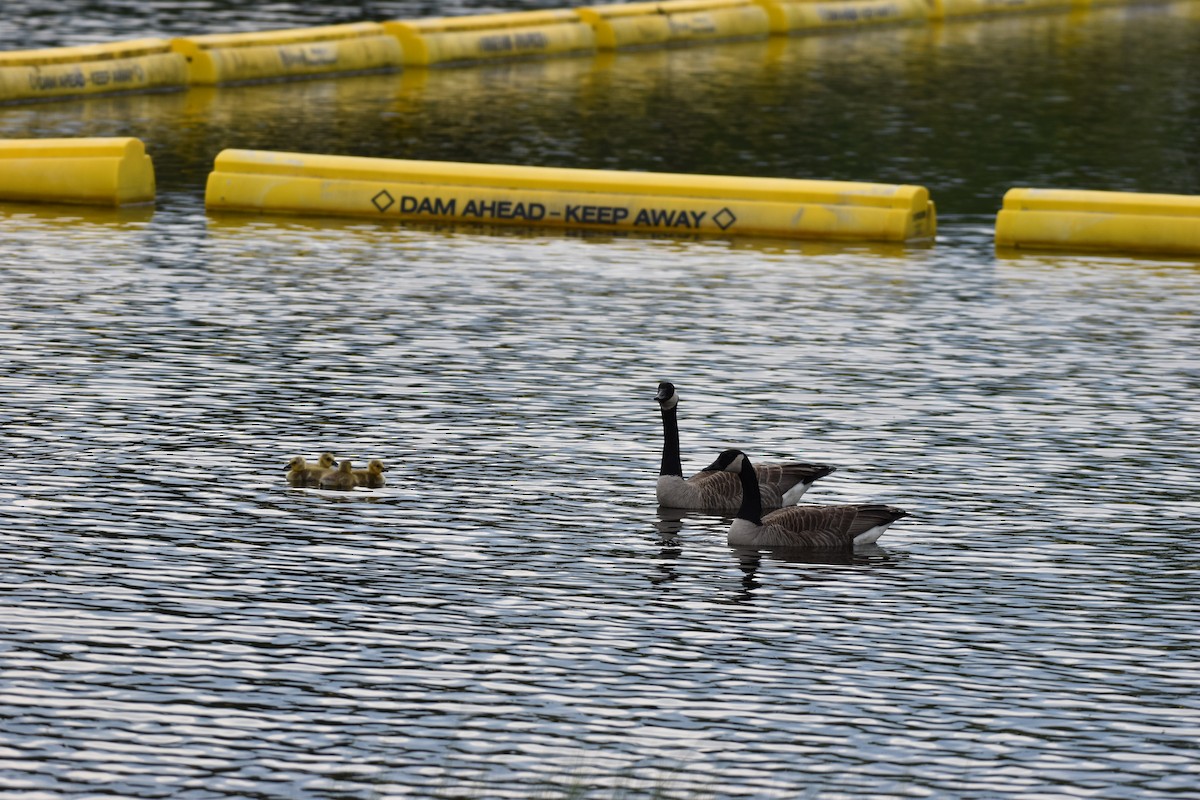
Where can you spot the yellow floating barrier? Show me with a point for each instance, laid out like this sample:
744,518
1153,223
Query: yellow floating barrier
1064,219
433,191
92,69
106,172
480,37
293,53
802,15
674,22
940,9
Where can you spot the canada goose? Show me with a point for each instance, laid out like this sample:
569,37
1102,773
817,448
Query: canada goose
341,478
300,473
808,526
372,476
716,491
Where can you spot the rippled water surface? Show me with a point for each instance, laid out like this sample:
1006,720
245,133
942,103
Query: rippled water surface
512,616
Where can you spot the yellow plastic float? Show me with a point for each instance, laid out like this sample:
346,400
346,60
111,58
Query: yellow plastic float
1063,219
106,172
293,53
940,9
480,37
433,191
93,69
674,22
807,15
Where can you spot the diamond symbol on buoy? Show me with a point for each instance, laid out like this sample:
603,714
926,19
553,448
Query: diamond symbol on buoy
383,201
724,218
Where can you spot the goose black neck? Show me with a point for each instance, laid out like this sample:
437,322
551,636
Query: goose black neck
671,465
751,508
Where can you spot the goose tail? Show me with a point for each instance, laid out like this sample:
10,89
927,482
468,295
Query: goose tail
872,520
798,477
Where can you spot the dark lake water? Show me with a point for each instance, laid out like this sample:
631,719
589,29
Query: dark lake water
511,616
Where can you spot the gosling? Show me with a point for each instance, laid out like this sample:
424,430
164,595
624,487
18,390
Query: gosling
341,479
300,474
372,476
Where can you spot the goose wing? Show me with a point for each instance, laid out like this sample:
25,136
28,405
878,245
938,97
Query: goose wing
783,477
824,527
723,490
717,491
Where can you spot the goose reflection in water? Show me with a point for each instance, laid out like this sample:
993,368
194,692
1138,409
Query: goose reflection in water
670,523
751,559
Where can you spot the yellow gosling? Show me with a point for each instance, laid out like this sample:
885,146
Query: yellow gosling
302,474
372,476
341,479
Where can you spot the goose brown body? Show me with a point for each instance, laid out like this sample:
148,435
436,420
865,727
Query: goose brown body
717,491
815,527
721,492
812,527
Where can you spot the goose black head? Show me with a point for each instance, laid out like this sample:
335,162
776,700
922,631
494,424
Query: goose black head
667,397
729,461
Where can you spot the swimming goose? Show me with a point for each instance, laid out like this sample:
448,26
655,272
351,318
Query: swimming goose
808,526
372,476
341,478
716,491
301,474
